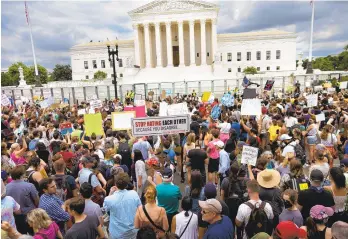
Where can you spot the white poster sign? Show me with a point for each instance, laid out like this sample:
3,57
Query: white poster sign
249,155
320,117
331,90
163,109
122,120
92,97
139,102
81,112
46,93
96,104
178,109
318,88
160,125
5,100
343,85
251,107
308,84
312,100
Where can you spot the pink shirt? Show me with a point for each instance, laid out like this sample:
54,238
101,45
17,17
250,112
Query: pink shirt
18,161
213,152
48,233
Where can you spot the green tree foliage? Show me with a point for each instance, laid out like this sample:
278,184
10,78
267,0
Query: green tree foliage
12,76
100,75
323,63
13,73
6,79
61,73
250,70
29,75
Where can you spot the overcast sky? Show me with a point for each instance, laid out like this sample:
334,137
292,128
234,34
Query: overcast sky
58,25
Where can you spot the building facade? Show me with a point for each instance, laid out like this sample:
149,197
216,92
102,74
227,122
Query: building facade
178,40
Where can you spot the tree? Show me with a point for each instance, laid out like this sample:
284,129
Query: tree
13,72
343,61
61,73
250,70
29,75
100,75
346,48
323,64
6,79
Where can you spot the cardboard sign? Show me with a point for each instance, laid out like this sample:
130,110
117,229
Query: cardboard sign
5,100
160,125
65,128
96,104
251,107
93,124
140,111
269,85
249,93
177,109
122,120
206,96
312,100
163,94
249,155
320,117
343,85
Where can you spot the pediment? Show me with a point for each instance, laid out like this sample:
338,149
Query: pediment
163,6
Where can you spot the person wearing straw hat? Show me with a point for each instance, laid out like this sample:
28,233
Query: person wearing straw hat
269,180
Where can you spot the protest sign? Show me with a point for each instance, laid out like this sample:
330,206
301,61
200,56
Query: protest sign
81,112
331,90
139,110
269,85
211,98
139,102
160,125
92,97
227,100
249,155
327,85
320,117
206,96
163,94
95,104
47,102
251,107
343,85
177,109
163,110
312,100
122,120
46,93
249,93
4,100
65,128
93,124
318,88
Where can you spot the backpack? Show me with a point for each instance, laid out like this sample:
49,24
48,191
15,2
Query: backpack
32,144
236,198
258,220
125,151
300,153
297,184
215,112
63,187
109,143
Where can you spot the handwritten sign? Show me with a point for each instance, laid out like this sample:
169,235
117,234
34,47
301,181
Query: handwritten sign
343,85
96,104
139,110
93,124
4,100
312,100
249,155
320,117
251,107
160,125
122,120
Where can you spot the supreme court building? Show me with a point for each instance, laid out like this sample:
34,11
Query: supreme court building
178,40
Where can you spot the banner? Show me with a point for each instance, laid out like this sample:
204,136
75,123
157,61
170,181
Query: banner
312,100
122,120
160,125
251,107
269,85
177,109
4,100
249,155
93,124
140,111
65,128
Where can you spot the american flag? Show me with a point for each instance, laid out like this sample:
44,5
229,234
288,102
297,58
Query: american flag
26,12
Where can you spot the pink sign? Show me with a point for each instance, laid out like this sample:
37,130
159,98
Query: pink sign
139,110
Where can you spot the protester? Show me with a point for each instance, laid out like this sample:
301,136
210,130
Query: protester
290,211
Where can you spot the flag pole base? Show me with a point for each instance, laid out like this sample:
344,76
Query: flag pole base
37,82
309,68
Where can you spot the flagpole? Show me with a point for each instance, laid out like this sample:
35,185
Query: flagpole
309,65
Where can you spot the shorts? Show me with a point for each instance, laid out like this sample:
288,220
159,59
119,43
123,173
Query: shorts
311,140
213,165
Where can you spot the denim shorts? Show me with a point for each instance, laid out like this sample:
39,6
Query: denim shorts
311,140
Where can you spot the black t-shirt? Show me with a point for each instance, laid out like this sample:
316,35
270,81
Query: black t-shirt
197,157
87,229
194,126
230,145
309,198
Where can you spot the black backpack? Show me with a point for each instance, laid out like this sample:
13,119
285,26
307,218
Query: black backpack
236,198
300,153
258,220
125,151
63,187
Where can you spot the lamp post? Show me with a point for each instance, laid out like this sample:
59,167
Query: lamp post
112,53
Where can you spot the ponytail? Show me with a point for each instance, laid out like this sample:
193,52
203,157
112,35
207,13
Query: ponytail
312,230
186,213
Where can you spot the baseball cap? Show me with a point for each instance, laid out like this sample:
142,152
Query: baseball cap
210,190
264,110
344,162
289,230
320,212
219,143
212,205
167,173
317,175
284,137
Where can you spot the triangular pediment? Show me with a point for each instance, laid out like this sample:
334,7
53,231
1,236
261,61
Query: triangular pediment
172,6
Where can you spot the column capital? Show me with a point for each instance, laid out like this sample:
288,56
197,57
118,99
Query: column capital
157,24
146,25
203,21
168,24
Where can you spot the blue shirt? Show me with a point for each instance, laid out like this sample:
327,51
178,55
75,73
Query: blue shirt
222,229
144,147
168,196
236,127
224,162
53,206
84,176
122,206
171,154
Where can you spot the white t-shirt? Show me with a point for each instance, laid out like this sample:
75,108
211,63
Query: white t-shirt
290,121
141,171
289,149
244,212
192,228
224,128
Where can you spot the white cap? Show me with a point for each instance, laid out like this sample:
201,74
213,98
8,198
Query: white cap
219,143
284,137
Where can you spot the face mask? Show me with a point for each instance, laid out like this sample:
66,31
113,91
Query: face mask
287,204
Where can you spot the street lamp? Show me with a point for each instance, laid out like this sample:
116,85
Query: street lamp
113,53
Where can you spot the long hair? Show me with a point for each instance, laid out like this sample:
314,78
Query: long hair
311,224
196,183
39,219
337,176
324,132
296,168
191,138
233,178
137,155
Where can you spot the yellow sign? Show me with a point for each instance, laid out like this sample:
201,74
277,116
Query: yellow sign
206,96
327,85
93,124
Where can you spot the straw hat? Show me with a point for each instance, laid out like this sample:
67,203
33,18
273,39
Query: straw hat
268,178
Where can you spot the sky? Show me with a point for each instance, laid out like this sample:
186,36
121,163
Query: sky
59,25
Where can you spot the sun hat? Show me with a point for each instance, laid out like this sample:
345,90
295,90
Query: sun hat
212,205
219,143
268,178
320,212
284,137
289,230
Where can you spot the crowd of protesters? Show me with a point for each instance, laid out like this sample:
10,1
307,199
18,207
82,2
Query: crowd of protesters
188,185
